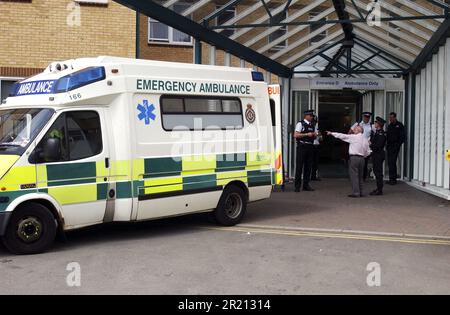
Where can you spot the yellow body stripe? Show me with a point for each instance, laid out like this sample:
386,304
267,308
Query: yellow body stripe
121,169
163,181
198,172
198,162
41,170
6,161
101,171
19,175
258,158
74,194
159,189
138,169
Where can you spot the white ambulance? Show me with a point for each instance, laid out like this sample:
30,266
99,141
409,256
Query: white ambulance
108,139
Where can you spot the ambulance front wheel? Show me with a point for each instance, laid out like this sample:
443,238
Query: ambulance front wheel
31,229
232,206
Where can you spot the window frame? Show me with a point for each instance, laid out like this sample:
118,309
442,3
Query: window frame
101,152
170,31
285,29
183,97
311,15
228,10
8,79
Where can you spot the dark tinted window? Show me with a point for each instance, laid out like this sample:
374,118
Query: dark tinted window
197,113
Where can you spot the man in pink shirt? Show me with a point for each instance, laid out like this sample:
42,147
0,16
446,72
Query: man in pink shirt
358,151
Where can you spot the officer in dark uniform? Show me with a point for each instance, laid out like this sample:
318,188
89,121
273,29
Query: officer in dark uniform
395,139
316,150
377,143
304,135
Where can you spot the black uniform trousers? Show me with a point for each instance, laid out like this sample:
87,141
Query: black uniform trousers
392,154
366,168
303,164
377,161
315,163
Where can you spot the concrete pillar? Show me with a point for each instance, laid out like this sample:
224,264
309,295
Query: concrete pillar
227,60
212,55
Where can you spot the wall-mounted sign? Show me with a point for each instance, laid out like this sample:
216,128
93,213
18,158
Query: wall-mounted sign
447,155
346,83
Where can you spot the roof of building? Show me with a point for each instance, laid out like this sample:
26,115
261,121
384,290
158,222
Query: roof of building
361,38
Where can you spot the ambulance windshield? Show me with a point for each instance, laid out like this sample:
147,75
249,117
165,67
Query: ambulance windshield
18,127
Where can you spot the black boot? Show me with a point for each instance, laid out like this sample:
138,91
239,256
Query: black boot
307,188
376,192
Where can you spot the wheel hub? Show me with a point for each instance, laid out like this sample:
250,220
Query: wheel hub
29,229
233,206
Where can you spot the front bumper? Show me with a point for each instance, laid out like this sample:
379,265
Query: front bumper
4,220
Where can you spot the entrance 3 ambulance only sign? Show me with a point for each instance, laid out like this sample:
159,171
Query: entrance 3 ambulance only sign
346,83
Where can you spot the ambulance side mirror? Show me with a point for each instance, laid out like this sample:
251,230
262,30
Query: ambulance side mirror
52,149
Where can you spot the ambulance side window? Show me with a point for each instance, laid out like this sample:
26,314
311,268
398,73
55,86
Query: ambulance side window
201,113
73,136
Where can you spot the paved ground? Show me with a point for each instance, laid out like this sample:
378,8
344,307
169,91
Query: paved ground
402,209
287,245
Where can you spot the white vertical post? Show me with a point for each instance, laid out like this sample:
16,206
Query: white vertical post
447,113
417,129
427,142
285,119
212,55
242,63
421,133
440,123
433,119
268,77
227,60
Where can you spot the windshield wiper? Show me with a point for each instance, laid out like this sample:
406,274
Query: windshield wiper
8,145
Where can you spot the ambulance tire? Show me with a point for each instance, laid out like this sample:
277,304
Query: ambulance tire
31,230
232,206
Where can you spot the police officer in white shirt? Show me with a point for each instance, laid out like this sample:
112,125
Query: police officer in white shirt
368,127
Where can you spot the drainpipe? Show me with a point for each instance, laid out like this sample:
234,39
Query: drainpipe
138,35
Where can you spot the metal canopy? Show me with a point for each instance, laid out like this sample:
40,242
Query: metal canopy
318,37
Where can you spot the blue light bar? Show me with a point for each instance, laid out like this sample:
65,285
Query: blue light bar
257,76
80,78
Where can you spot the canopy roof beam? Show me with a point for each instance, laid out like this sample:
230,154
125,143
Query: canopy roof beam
199,32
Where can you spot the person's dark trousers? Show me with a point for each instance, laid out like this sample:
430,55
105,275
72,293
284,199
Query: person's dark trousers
315,162
303,165
377,161
366,171
392,155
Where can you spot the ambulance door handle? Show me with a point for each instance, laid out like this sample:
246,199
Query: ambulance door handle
106,162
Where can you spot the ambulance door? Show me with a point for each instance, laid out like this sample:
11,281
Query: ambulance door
275,110
72,165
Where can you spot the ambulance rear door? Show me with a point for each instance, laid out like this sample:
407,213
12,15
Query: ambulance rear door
275,110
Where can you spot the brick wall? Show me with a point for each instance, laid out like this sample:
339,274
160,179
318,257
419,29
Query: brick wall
35,33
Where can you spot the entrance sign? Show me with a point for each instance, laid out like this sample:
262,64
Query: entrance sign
346,83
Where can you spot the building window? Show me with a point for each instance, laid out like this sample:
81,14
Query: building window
223,18
394,36
314,27
280,17
200,113
104,2
161,33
